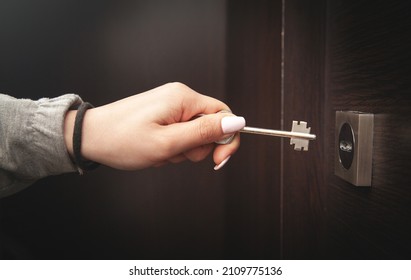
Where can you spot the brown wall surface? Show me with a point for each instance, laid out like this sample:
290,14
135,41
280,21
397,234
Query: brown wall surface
104,51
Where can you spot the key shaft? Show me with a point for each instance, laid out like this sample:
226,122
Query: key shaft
278,133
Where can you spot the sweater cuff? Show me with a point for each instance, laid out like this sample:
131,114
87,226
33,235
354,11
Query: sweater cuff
47,130
32,145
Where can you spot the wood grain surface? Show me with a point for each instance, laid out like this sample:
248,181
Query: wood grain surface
254,91
368,69
303,185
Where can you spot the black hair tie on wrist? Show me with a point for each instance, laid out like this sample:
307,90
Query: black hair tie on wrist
82,164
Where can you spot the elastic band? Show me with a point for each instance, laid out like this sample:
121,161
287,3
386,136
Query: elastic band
82,164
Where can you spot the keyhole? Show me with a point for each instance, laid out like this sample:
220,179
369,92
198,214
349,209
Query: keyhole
347,145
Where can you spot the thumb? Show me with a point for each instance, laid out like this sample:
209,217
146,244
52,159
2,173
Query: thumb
206,129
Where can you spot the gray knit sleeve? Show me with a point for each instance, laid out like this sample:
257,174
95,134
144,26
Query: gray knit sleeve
31,140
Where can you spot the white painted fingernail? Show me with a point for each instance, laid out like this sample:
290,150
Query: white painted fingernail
219,166
232,124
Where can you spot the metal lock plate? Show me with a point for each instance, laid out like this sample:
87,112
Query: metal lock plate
354,145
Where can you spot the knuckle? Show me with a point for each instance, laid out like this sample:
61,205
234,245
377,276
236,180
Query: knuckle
177,86
202,154
195,157
199,153
176,91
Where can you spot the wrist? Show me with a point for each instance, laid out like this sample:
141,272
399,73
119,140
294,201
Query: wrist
68,131
79,138
90,134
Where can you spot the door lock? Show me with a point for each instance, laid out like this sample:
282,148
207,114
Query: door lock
354,144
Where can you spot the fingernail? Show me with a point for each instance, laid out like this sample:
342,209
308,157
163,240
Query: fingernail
232,124
219,166
225,111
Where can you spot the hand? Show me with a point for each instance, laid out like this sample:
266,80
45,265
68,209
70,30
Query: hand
156,127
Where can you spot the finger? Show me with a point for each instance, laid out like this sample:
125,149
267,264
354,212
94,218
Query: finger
177,159
221,152
194,103
199,153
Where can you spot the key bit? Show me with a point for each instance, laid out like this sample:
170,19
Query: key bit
300,144
299,134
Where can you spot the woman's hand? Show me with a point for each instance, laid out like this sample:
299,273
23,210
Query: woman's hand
170,123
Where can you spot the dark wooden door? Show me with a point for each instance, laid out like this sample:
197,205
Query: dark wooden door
355,58
335,55
253,194
368,69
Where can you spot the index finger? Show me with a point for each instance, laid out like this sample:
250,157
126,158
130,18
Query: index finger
194,104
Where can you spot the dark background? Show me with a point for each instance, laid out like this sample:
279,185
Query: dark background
272,62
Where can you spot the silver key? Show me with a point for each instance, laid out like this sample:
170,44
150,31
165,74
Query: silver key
299,134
